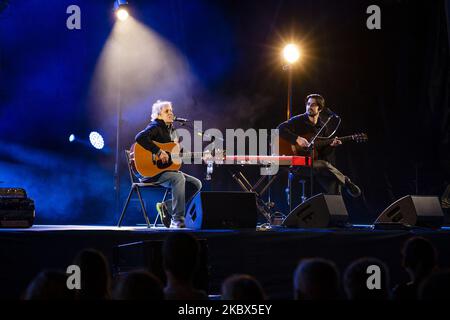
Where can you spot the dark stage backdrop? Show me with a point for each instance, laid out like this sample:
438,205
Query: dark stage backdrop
218,62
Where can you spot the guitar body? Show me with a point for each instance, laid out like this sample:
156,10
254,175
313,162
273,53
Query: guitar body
285,148
149,165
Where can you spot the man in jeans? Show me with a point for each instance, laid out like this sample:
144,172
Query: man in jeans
161,130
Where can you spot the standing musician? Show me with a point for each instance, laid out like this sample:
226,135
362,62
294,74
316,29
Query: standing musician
161,130
297,130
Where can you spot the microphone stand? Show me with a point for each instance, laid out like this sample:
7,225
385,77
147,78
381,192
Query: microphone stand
209,164
311,150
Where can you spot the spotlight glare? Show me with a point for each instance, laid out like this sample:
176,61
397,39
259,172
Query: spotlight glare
122,14
72,138
120,8
291,53
96,140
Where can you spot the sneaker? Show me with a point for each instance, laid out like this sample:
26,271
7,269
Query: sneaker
177,224
163,214
351,188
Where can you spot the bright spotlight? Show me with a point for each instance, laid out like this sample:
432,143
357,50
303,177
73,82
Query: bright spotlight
120,7
72,138
122,14
291,53
96,140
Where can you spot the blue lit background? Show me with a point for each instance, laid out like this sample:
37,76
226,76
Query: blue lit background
46,72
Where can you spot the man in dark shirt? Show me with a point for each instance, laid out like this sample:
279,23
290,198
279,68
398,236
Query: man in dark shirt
300,128
161,130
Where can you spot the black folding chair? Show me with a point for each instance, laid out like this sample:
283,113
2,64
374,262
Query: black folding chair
135,186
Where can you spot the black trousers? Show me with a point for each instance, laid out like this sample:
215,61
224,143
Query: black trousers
327,175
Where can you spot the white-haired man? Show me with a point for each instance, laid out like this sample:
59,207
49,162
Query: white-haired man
161,130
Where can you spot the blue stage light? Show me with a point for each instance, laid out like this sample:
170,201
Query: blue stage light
72,138
96,140
120,7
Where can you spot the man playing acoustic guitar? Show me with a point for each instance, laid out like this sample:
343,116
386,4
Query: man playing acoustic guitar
161,130
299,129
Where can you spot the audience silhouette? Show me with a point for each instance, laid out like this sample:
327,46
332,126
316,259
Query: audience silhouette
242,287
316,279
180,260
49,285
138,285
313,279
95,275
361,283
419,260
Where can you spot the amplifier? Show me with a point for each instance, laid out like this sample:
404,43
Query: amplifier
16,210
6,193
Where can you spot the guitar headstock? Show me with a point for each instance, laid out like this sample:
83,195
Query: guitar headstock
360,137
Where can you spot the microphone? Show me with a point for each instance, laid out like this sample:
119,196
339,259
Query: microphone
181,119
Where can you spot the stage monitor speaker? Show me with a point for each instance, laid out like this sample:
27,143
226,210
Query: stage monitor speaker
319,211
222,210
422,211
16,209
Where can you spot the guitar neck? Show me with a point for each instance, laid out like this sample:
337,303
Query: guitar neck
326,142
192,154
343,139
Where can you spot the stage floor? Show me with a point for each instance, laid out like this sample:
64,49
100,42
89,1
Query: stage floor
270,255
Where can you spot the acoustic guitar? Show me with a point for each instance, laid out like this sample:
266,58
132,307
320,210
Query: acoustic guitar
148,164
288,149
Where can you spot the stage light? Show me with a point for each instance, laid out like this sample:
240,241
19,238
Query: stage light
122,14
72,138
96,140
120,7
291,53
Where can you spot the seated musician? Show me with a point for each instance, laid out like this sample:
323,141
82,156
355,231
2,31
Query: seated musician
300,128
161,130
